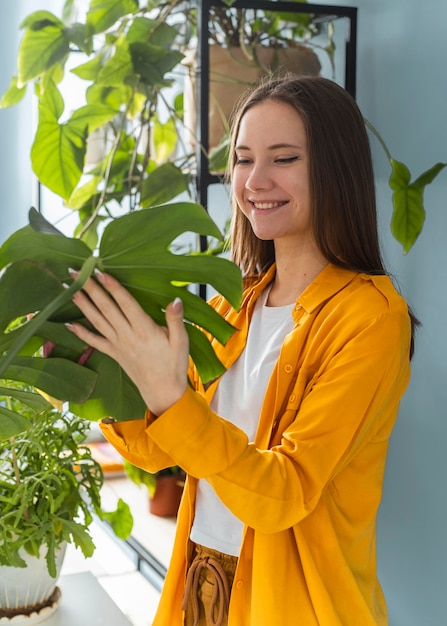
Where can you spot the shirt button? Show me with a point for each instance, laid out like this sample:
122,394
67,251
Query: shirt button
292,398
288,368
239,584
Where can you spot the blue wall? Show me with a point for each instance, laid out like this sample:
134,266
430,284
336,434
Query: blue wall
402,90
15,129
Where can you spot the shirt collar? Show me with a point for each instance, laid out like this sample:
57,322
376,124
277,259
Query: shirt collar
329,281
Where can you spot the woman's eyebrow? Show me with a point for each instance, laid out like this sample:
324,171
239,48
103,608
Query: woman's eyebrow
275,146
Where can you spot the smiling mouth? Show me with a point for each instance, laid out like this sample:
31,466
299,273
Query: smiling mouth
268,205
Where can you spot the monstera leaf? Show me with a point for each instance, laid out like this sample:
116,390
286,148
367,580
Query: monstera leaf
36,289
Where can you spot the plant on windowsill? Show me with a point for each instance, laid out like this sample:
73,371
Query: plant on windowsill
49,494
165,488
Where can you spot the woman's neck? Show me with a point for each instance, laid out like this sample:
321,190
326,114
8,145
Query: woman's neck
293,275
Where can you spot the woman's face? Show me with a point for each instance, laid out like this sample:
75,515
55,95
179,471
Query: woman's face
270,177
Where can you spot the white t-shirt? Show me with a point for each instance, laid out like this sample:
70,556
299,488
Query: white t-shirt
238,399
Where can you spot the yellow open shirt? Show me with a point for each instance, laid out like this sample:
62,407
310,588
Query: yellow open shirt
309,487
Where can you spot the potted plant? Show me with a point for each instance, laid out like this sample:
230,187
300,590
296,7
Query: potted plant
165,488
125,57
245,45
49,493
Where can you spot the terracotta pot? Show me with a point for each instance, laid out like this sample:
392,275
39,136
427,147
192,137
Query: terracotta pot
230,74
167,496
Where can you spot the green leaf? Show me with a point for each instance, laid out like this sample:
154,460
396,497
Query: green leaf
82,195
157,32
140,241
41,225
114,393
201,353
33,283
90,69
118,68
408,202
163,184
165,139
44,44
218,157
152,63
58,150
103,14
80,536
59,378
52,307
92,116
135,249
121,519
57,253
13,95
40,19
82,36
34,401
427,177
11,423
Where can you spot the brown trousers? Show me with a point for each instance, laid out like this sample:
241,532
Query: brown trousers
208,588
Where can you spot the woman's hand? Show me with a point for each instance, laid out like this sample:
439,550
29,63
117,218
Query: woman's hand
154,357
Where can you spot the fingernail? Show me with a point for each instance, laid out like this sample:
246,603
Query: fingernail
69,326
73,273
99,275
65,285
177,304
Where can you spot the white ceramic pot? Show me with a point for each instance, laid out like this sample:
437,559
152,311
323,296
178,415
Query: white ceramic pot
22,589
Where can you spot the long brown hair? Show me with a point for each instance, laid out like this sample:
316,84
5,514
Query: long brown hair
341,178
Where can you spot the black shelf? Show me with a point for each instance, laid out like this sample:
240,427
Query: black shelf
319,12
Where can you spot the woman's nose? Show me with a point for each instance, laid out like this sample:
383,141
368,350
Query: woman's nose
258,178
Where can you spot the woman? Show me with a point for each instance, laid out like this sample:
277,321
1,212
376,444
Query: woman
285,454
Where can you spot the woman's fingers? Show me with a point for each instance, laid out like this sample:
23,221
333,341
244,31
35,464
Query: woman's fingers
155,357
174,321
121,300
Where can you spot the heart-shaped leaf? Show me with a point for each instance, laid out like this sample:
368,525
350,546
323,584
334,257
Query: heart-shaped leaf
408,201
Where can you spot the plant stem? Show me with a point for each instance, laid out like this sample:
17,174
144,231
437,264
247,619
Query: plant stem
379,138
15,464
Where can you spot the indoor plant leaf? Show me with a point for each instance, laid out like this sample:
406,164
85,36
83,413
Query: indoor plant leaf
103,14
44,44
135,249
118,68
58,150
60,378
51,308
120,520
11,423
34,401
165,139
114,393
408,201
13,94
163,184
